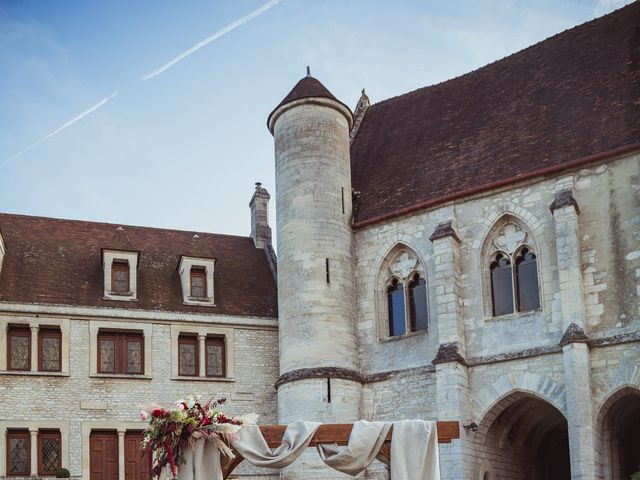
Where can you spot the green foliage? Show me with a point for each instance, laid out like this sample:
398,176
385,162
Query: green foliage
62,473
635,476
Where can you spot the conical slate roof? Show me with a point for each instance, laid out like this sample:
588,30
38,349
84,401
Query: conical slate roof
307,87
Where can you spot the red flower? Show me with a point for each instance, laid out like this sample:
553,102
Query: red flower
206,421
159,413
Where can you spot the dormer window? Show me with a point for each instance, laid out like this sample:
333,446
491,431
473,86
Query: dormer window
120,277
198,282
196,279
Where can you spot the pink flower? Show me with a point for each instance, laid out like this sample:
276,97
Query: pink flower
143,415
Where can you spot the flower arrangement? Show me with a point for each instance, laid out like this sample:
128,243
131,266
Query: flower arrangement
174,428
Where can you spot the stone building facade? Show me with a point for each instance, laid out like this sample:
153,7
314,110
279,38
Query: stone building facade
73,405
469,251
526,170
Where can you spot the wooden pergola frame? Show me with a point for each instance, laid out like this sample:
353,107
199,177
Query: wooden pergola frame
336,433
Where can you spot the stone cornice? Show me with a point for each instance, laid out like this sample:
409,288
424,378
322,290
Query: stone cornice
449,352
443,230
573,334
564,198
320,372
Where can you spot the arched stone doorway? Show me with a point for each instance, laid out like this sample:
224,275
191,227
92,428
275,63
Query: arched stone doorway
619,421
524,437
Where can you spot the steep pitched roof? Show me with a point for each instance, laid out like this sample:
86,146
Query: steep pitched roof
571,96
51,261
307,87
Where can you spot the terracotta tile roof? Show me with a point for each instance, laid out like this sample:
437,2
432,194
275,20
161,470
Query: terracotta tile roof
51,261
571,96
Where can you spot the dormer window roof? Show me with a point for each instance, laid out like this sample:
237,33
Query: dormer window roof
196,279
120,265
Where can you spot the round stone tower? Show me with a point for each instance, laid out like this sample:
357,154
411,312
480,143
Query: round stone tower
319,366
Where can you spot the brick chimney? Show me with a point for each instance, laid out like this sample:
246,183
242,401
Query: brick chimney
259,205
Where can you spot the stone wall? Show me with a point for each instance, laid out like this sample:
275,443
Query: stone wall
80,399
518,352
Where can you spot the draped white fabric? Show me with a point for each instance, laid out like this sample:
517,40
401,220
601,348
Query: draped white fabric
202,462
365,442
414,449
251,445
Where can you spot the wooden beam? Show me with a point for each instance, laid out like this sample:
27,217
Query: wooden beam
339,433
335,433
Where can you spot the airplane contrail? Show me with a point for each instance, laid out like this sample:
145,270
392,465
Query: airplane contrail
60,129
211,38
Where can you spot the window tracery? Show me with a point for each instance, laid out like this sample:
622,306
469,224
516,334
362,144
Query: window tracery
512,269
404,288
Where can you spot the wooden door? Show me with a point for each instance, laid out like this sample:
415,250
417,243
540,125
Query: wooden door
136,466
103,458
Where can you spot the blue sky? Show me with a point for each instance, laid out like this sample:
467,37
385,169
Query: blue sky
183,149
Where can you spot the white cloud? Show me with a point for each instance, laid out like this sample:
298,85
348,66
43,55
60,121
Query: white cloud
211,38
90,110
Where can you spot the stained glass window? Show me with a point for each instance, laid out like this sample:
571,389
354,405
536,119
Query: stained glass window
18,453
120,277
215,357
48,452
527,281
418,315
198,283
188,355
50,350
395,301
501,285
19,351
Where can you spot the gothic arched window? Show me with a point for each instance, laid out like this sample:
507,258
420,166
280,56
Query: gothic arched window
405,291
513,270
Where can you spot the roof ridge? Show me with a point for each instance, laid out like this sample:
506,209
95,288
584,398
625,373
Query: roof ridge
116,225
534,45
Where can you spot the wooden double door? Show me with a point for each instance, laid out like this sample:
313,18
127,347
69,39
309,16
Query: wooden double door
104,459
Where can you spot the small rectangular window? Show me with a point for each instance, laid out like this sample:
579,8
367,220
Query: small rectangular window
188,355
49,452
19,348
215,355
18,452
49,350
120,277
120,352
198,282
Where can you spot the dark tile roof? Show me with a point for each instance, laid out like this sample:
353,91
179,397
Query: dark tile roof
307,87
51,261
571,96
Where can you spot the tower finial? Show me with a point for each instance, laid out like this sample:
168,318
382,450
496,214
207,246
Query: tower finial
308,71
